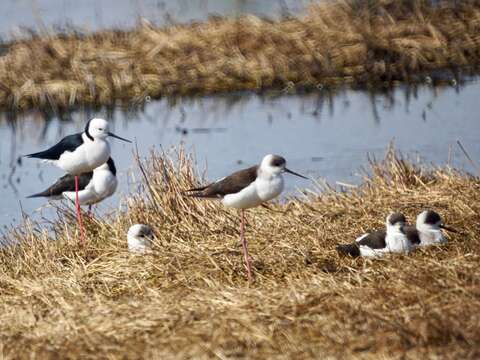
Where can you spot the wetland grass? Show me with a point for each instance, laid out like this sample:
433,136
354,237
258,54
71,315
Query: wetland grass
189,298
362,43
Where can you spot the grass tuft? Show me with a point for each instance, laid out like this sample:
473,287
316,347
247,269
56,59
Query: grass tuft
372,43
189,298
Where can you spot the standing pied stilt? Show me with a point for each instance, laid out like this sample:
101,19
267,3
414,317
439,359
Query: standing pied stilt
248,188
81,153
380,242
93,186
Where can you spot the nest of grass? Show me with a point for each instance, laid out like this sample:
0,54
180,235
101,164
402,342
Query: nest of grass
189,298
348,42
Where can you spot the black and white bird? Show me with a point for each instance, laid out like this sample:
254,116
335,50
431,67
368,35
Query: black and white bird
93,186
392,239
248,188
427,230
80,153
139,238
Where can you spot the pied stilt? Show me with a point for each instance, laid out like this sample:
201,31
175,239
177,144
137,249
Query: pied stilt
248,188
81,153
139,238
427,230
93,186
378,243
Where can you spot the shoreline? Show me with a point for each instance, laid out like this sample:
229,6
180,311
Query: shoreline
61,299
329,45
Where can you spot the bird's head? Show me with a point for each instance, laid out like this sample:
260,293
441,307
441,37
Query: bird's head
431,220
99,129
275,164
139,238
395,220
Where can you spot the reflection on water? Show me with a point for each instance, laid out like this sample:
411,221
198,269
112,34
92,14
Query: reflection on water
320,135
94,15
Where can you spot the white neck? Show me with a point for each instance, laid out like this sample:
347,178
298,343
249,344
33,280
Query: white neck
268,174
103,167
393,228
421,226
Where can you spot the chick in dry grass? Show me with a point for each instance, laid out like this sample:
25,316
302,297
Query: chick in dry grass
139,238
427,230
378,243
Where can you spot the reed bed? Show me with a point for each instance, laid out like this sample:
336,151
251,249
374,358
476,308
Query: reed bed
189,299
370,43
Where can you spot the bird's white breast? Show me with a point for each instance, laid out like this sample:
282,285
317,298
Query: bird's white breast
86,157
138,246
259,191
269,187
105,183
244,199
431,237
397,242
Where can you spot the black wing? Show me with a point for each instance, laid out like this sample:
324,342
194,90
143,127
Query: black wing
68,143
412,234
228,185
111,166
374,240
65,183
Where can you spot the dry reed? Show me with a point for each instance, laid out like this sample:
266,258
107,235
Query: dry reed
189,298
353,42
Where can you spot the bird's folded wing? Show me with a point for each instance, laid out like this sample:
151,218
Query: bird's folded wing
374,240
65,183
412,234
68,143
228,185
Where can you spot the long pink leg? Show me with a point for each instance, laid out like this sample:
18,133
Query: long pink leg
79,215
246,258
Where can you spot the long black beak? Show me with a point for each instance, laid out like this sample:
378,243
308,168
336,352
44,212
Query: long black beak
294,173
118,137
448,228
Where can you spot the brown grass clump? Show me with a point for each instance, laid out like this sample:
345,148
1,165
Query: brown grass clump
189,298
355,42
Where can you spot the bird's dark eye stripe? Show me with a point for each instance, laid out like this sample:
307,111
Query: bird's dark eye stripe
278,161
432,217
396,218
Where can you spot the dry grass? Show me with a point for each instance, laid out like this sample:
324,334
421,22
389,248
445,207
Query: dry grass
354,42
189,299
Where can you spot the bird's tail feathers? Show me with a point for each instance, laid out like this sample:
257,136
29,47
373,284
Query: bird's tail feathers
348,249
197,192
33,155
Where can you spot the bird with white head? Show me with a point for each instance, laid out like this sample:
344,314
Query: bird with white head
93,186
392,239
139,238
427,230
81,153
246,189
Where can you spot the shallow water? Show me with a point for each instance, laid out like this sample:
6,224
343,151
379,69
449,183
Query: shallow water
91,15
320,136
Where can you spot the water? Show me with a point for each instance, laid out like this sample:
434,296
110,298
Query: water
321,136
95,15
